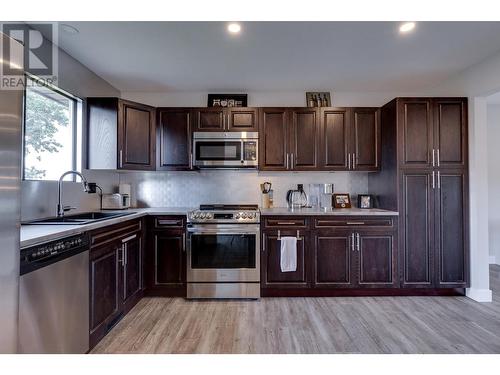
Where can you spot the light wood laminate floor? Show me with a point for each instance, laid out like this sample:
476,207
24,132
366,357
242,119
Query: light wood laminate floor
311,325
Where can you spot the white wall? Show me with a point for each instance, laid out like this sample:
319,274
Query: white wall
493,118
266,98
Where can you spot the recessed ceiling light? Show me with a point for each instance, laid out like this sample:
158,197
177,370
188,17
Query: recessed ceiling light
68,28
406,27
234,28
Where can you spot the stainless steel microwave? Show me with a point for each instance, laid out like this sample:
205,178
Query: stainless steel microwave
226,149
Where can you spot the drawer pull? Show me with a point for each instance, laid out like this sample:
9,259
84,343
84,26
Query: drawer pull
168,222
286,223
298,236
355,223
129,238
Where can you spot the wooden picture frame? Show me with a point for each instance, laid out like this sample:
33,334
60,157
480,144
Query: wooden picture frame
227,100
366,201
342,200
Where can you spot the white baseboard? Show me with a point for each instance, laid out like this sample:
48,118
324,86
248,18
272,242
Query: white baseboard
492,259
479,295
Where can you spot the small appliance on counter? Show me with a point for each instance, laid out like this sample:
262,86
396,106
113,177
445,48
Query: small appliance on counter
115,201
266,195
297,198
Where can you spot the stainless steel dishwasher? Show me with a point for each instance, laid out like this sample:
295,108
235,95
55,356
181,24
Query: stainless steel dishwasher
54,297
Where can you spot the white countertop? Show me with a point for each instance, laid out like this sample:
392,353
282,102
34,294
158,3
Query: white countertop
330,212
34,234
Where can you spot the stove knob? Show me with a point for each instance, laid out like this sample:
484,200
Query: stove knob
210,216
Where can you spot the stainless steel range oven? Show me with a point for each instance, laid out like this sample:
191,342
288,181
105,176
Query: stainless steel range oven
226,149
223,252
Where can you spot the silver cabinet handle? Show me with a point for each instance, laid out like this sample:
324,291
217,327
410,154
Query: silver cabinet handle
438,158
433,157
121,159
358,241
355,223
349,161
352,242
191,162
129,238
353,161
433,179
291,162
125,255
120,253
439,180
287,159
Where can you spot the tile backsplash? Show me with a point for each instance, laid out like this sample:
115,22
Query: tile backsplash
190,189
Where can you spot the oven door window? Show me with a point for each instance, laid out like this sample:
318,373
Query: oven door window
223,251
218,150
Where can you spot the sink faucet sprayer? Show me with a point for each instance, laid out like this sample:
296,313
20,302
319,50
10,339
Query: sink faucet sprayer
60,208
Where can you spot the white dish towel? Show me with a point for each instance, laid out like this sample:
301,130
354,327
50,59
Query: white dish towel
288,260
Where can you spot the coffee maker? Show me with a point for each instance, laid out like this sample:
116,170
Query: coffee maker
321,195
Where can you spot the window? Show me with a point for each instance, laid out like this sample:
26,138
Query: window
52,132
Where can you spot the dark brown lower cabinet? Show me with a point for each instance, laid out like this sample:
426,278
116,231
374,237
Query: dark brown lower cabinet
115,276
376,259
451,229
271,274
333,253
434,229
166,257
333,259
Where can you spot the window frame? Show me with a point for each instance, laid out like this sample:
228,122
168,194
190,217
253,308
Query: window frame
76,104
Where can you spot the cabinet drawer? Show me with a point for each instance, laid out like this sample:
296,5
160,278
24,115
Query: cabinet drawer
286,222
352,222
169,221
114,233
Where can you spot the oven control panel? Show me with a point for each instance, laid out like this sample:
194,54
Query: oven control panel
224,217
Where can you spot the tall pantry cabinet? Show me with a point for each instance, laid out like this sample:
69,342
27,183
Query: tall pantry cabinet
424,175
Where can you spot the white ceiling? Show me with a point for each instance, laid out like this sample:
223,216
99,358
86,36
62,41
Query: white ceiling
278,56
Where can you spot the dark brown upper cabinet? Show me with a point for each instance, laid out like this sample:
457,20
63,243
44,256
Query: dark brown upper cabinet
121,134
350,139
218,119
242,119
174,139
273,139
365,139
416,132
304,139
450,132
334,139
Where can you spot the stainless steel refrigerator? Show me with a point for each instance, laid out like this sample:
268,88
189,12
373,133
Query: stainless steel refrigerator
11,111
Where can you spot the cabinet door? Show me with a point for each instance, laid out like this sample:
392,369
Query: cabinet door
334,139
132,267
416,229
169,258
273,138
304,139
450,125
377,259
136,136
416,132
452,229
333,259
174,139
365,139
271,274
242,119
209,120
105,283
